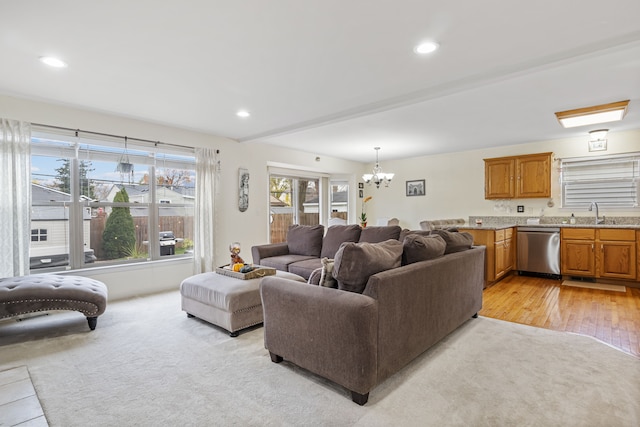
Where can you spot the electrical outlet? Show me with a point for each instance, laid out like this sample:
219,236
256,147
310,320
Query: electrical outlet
520,208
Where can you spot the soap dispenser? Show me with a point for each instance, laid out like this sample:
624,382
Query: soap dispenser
572,220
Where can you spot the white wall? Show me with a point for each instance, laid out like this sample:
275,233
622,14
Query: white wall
455,182
249,227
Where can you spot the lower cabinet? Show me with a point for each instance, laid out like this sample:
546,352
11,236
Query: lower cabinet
607,253
500,255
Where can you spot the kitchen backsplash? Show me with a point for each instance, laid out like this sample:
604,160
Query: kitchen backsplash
522,220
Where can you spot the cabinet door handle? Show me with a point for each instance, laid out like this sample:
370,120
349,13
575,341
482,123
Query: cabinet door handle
592,247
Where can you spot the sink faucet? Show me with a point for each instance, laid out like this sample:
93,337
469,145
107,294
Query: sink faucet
598,220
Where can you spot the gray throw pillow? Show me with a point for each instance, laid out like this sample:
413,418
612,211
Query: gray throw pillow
406,232
305,240
421,248
326,274
314,277
380,234
456,241
337,235
355,262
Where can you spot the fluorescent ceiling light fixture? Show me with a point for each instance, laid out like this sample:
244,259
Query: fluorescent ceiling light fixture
426,47
243,114
593,115
53,62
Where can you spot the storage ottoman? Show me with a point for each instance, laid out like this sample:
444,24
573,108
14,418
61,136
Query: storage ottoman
232,304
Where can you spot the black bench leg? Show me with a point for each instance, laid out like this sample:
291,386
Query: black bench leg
234,334
93,321
358,398
475,316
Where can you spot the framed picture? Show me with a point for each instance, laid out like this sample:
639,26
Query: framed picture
243,189
599,145
415,187
361,185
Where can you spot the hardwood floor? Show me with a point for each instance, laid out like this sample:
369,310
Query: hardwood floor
611,317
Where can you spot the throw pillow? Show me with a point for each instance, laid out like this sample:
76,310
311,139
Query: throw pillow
380,234
405,232
421,248
314,277
337,235
305,240
456,241
355,262
326,274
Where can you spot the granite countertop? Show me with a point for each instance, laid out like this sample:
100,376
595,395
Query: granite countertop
468,226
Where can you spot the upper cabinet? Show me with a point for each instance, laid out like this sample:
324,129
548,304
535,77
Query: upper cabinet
518,177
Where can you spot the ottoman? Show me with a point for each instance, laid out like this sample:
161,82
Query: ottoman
232,304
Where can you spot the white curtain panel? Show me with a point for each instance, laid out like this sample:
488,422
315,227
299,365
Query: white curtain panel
204,245
15,197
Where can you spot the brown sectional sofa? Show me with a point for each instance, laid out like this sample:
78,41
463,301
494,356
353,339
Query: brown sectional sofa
306,245
357,340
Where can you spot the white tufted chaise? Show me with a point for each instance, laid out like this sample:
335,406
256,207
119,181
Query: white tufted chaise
43,292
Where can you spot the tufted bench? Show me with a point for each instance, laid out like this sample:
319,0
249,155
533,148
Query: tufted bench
43,292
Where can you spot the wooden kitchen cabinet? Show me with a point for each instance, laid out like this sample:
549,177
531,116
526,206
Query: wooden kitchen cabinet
500,253
590,252
519,177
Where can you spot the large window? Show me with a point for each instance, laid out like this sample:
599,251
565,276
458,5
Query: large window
611,181
293,200
105,202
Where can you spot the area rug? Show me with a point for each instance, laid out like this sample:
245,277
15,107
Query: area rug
147,364
593,285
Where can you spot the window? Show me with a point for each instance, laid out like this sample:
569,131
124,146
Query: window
611,181
99,203
39,235
338,202
293,200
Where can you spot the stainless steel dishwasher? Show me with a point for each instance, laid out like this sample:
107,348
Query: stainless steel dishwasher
538,251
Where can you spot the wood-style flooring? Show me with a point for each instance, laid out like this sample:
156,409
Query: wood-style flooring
609,316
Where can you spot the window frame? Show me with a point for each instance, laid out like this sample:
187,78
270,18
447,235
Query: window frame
612,181
156,158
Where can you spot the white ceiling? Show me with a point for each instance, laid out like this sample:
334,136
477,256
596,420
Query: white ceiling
332,77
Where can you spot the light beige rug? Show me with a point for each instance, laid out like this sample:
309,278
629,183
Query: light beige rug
592,285
147,364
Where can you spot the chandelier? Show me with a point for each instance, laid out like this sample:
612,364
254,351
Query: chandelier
378,176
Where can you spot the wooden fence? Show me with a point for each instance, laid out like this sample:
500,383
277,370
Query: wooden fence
181,226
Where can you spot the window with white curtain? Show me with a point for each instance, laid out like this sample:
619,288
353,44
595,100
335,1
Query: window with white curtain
104,203
611,181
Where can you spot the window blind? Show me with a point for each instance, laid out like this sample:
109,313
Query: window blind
611,181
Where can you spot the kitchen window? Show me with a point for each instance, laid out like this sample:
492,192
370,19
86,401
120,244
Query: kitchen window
611,181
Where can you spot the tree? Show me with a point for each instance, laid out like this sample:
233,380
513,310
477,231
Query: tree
63,178
169,177
119,235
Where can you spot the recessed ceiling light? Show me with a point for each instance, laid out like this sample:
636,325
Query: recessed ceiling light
426,47
243,113
53,62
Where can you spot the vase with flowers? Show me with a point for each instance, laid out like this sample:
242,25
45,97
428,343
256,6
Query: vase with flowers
363,213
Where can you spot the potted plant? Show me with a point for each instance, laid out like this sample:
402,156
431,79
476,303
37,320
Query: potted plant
363,214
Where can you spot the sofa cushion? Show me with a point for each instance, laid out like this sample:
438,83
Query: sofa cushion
456,241
282,262
355,262
304,267
337,235
405,232
421,248
305,239
379,234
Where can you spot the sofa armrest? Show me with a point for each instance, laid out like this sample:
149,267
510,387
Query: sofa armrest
265,251
327,331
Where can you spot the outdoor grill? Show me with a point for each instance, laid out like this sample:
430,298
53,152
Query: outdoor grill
167,243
